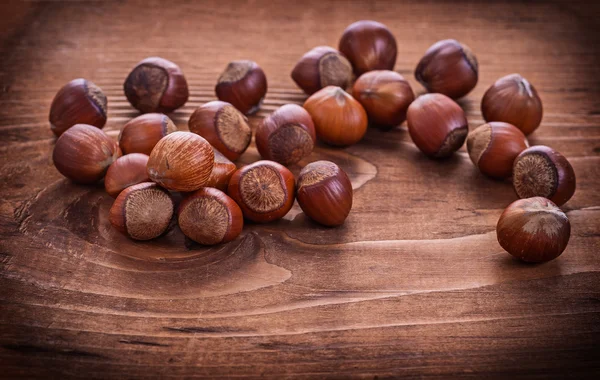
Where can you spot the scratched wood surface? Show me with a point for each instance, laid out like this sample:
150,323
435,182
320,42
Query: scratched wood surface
414,283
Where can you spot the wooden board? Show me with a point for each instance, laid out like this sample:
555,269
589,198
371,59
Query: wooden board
414,284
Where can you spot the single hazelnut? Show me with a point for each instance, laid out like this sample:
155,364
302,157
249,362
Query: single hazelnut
142,211
181,161
264,191
324,193
222,125
449,68
126,171
156,85
385,95
221,173
369,45
141,134
514,100
437,125
208,216
244,85
534,230
321,67
83,153
78,102
339,119
494,146
286,136
541,171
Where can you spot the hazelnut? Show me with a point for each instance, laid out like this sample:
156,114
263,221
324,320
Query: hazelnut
449,68
286,136
221,173
385,95
222,125
264,191
83,153
126,171
494,146
181,161
209,216
534,230
156,85
78,102
321,67
324,193
141,134
437,125
369,45
244,85
339,119
142,211
543,172
514,100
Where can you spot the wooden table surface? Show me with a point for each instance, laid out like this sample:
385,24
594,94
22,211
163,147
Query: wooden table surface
413,284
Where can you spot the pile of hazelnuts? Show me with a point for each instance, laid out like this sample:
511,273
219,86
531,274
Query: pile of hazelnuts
348,89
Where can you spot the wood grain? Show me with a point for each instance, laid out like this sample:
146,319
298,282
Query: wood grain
413,284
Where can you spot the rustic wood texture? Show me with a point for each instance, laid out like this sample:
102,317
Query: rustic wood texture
413,284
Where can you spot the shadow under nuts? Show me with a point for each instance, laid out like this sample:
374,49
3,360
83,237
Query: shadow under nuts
209,217
324,193
181,161
534,230
142,211
448,68
286,136
321,67
126,171
223,126
244,85
142,133
83,153
339,119
369,45
156,85
437,125
78,102
543,172
264,191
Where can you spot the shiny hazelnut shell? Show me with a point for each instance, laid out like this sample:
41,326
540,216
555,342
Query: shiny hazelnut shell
78,102
83,153
338,118
543,172
243,84
126,171
142,133
534,230
437,125
321,67
221,173
286,136
368,45
324,193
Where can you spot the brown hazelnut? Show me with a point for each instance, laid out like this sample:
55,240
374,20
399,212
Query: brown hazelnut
222,125
83,153
339,119
264,191
126,171
369,45
181,161
244,85
321,67
449,68
221,173
142,211
286,136
514,100
437,125
156,85
385,95
141,134
324,193
78,102
534,230
541,171
494,146
209,216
